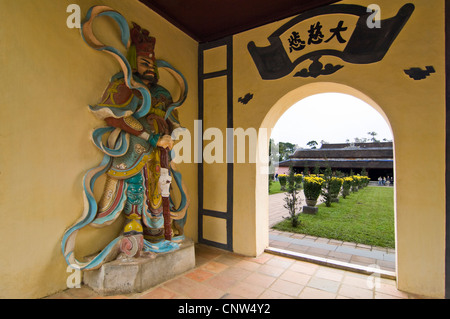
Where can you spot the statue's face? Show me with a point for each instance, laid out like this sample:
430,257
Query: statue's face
146,68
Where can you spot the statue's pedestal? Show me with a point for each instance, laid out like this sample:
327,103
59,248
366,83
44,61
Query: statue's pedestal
312,210
140,274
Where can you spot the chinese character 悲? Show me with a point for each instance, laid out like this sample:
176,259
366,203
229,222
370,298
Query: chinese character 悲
295,42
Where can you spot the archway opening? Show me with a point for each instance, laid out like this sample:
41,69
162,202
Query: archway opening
329,120
337,118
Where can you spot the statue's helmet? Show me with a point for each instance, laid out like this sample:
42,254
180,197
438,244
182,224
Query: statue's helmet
142,46
141,39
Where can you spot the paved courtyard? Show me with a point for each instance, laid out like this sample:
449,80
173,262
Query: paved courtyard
326,251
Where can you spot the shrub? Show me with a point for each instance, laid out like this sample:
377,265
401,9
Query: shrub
346,185
293,201
282,178
312,186
365,181
298,180
335,186
355,183
326,186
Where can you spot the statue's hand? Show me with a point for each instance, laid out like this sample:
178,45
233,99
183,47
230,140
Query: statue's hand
165,141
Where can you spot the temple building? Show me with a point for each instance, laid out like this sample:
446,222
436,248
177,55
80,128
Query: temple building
376,158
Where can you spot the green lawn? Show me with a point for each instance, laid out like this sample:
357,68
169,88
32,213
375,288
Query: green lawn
365,217
275,188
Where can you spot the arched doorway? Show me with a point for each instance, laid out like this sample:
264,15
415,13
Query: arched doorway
286,102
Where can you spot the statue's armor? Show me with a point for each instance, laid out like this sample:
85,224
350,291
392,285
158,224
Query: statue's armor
139,168
140,150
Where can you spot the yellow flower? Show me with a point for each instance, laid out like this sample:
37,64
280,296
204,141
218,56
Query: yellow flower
313,179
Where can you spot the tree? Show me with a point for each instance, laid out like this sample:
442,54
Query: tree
316,169
373,139
312,144
364,172
285,149
305,171
292,199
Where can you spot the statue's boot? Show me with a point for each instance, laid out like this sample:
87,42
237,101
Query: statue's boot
133,239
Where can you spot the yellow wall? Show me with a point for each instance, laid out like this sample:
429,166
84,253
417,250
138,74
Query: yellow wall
415,111
49,76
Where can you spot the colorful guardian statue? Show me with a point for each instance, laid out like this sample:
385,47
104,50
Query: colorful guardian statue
137,142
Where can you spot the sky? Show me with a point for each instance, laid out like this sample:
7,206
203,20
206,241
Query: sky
331,117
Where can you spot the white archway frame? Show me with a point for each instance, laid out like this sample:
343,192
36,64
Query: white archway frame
269,121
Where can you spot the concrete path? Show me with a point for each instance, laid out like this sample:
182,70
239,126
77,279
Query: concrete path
277,212
328,251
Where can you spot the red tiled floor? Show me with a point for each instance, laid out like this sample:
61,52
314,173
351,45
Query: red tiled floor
199,274
249,265
356,292
158,293
296,277
324,284
280,262
214,267
181,285
271,270
221,274
331,274
304,267
261,259
271,294
260,280
287,287
222,282
313,293
247,290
